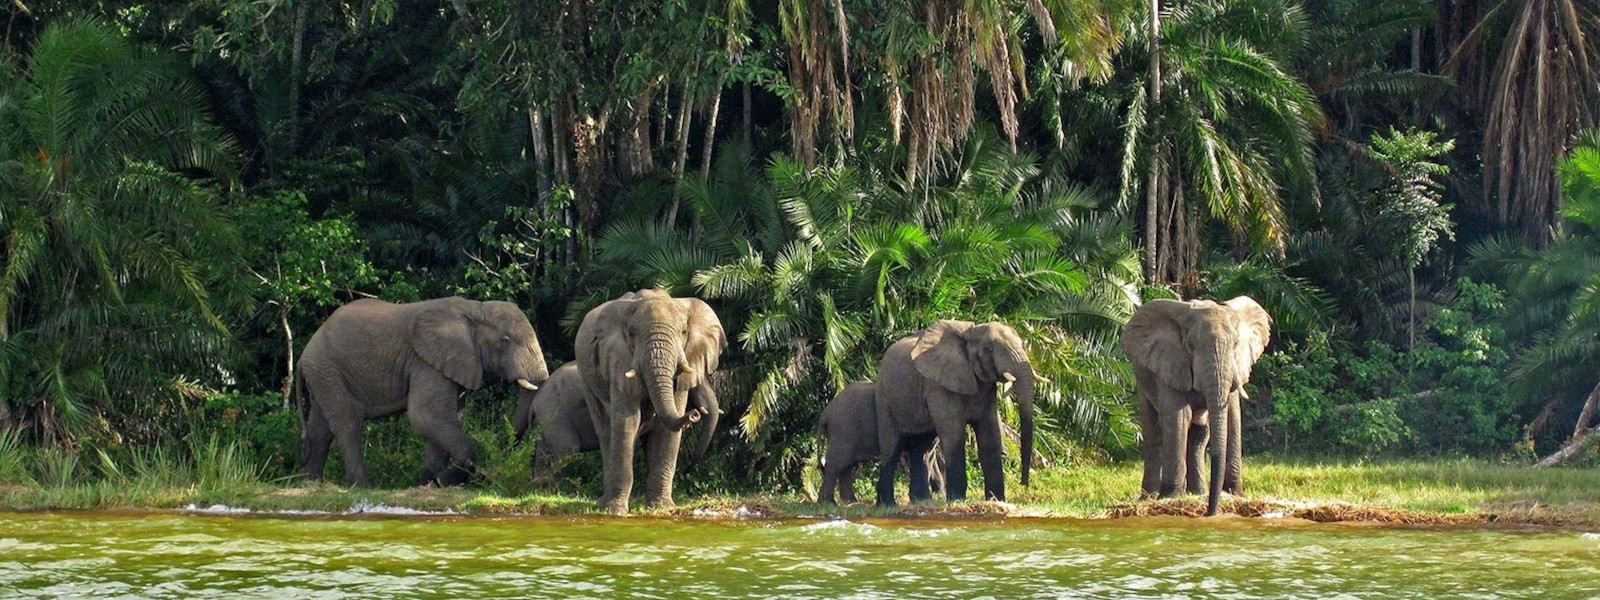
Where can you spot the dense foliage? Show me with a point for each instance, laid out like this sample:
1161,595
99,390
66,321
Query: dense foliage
188,189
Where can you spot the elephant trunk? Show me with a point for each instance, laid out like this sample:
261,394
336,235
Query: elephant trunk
662,364
1021,382
712,408
522,420
1218,389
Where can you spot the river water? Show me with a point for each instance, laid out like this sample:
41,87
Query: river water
165,555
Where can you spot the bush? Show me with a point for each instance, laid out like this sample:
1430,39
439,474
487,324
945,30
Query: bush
1445,396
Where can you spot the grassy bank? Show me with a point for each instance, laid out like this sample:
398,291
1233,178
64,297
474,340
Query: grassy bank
1389,491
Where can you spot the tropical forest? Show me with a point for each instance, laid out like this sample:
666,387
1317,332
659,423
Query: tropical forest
1390,210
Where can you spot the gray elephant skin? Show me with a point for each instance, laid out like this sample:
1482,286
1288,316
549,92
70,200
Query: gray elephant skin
373,359
565,427
641,356
1191,361
941,381
849,425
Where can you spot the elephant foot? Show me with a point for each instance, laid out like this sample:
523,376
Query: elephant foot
456,476
666,504
615,508
1147,494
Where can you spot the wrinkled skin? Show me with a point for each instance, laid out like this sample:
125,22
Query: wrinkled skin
373,359
941,381
1192,360
849,424
565,427
641,357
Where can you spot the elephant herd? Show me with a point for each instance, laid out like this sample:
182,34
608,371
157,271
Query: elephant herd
642,373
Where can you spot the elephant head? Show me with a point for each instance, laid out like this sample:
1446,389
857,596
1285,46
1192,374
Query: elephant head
464,339
965,358
676,345
1204,347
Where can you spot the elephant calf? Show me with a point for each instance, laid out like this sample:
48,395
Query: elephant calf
373,359
565,426
850,426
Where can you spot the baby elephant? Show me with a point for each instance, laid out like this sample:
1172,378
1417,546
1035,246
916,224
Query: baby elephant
850,425
565,426
564,423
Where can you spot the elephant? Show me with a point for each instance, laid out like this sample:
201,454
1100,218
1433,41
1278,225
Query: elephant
564,423
372,359
642,350
850,426
1191,361
938,382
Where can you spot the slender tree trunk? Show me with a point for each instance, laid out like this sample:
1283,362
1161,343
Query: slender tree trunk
746,115
295,71
1416,66
1411,323
1152,177
685,103
288,342
711,126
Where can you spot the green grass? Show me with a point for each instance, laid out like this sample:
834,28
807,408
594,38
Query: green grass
211,473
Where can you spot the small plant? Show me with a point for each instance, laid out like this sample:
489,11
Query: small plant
506,471
222,466
55,467
13,463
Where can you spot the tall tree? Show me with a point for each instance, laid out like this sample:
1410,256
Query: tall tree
1219,132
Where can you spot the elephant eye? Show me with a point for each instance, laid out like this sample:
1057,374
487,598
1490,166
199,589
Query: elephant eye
505,339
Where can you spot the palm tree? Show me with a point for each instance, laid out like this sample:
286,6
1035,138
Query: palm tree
1543,89
1215,128
115,248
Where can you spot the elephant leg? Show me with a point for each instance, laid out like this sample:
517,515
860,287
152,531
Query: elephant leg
433,415
991,451
1231,480
434,460
847,484
916,460
935,459
830,482
1174,443
348,433
1150,444
661,457
887,464
315,442
617,456
954,442
1194,453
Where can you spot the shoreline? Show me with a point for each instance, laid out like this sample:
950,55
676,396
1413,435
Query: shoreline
394,504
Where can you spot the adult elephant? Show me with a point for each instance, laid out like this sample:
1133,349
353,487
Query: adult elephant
942,380
373,359
1191,361
849,424
563,417
648,350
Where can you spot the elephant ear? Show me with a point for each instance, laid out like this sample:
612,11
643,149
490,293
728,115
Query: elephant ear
1153,340
941,355
442,336
1255,330
706,338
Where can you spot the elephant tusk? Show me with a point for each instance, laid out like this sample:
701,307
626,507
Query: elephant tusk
527,385
1005,388
1040,378
1009,377
630,374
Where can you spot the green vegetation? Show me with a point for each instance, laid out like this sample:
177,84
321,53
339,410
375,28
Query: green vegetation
187,190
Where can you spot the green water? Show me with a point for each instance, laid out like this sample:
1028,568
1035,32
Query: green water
103,555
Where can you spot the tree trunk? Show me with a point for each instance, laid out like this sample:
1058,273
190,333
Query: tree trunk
1151,195
288,342
295,70
685,103
711,126
746,115
1582,436
540,142
1411,322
